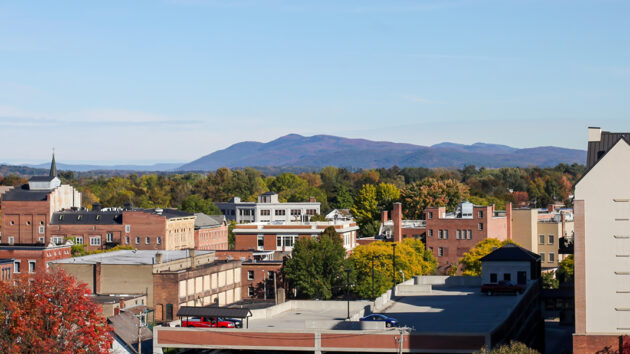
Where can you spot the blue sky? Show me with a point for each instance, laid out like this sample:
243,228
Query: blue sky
163,81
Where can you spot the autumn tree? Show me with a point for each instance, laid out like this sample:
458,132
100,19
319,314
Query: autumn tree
470,263
196,204
411,258
315,267
565,270
432,192
50,314
386,195
365,210
513,347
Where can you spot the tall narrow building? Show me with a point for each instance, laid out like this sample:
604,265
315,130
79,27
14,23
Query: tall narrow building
602,246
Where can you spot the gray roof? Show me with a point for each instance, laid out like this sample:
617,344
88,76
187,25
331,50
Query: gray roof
139,257
204,221
511,252
126,328
213,312
6,260
23,194
41,178
596,149
85,217
168,213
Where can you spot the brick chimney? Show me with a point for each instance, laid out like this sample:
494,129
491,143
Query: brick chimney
564,219
311,199
508,216
191,253
384,216
97,278
397,219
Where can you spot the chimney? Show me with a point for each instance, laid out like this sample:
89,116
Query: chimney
191,253
158,258
97,278
508,216
550,208
594,134
397,218
96,207
564,219
311,199
122,303
384,216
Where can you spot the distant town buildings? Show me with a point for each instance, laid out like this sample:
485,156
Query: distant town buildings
602,245
211,232
268,209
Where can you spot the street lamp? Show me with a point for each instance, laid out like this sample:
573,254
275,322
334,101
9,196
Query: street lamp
348,291
394,263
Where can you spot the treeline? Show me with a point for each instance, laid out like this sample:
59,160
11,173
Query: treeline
365,192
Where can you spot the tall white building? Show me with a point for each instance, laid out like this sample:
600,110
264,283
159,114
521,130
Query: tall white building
267,209
602,245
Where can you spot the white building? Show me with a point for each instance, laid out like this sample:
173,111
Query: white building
267,209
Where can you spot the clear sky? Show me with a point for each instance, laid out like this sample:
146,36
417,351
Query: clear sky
164,81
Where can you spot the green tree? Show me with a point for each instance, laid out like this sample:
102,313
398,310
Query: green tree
315,267
513,348
564,274
365,208
386,195
411,258
432,192
196,204
549,281
470,263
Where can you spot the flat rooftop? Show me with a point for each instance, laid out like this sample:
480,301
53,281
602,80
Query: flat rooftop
296,319
130,257
452,310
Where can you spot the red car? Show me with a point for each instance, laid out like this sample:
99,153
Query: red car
210,322
502,287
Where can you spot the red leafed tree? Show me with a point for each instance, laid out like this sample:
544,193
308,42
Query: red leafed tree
51,313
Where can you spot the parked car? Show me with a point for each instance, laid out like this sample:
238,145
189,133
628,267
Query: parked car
389,321
502,287
210,322
238,323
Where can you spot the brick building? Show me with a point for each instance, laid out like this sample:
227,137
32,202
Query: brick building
211,232
6,269
450,235
169,279
398,229
262,280
280,236
33,259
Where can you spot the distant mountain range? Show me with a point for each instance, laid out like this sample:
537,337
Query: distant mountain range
324,150
295,152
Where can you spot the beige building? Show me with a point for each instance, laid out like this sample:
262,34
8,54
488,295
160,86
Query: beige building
169,279
540,231
602,245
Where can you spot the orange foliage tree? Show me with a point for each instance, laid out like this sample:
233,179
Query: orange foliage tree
51,313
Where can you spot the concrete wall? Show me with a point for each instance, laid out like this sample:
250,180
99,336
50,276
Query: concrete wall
448,281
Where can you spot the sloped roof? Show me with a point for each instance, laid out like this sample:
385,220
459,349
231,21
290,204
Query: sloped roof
41,178
213,312
23,194
126,328
511,252
85,217
208,221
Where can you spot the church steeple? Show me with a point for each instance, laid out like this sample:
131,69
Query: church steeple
53,167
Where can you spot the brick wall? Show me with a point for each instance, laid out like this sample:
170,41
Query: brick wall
260,272
21,220
587,344
212,239
40,255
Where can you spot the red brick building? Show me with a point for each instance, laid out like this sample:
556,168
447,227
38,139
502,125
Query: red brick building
6,269
281,236
211,232
450,235
398,229
33,259
262,280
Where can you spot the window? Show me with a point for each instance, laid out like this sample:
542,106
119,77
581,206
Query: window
281,212
11,240
265,212
459,234
95,240
493,277
270,274
541,239
430,215
440,234
446,234
137,240
169,312
551,239
296,212
285,241
470,234
127,239
57,240
16,266
127,228
480,214
480,226
440,251
431,233
42,240
260,242
311,212
110,237
147,240
542,257
78,240
250,291
42,229
31,266
507,276
158,240
250,275
552,257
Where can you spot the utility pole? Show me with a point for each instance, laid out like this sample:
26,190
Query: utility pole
275,289
348,291
394,263
265,284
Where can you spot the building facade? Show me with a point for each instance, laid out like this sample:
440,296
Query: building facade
211,232
268,209
6,269
281,236
450,235
602,245
30,260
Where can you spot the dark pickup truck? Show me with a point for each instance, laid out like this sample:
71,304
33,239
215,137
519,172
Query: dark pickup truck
502,287
209,322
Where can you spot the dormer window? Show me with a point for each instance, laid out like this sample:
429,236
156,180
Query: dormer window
98,217
60,217
79,217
